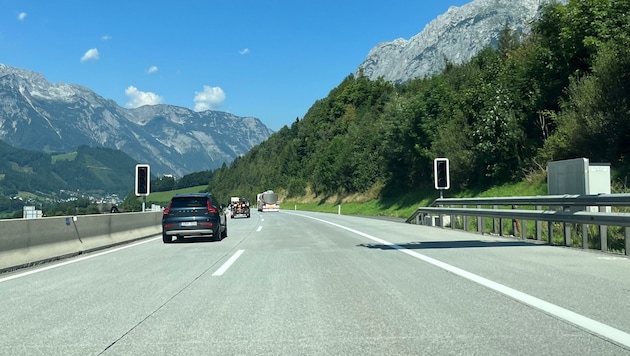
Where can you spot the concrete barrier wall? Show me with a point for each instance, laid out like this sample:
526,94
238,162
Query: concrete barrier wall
27,241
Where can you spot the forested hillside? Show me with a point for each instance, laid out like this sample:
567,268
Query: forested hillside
88,169
561,92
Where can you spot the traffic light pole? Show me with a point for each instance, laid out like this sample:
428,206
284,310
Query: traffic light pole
441,174
143,183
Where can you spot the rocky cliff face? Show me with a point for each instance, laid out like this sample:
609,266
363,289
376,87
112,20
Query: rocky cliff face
38,115
456,35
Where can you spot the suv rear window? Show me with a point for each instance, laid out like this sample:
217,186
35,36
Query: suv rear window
189,203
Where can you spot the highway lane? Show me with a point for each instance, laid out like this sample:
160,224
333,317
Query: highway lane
307,283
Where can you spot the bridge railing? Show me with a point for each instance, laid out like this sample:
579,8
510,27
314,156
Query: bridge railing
574,212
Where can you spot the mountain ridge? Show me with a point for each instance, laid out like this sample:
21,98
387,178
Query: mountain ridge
37,114
454,36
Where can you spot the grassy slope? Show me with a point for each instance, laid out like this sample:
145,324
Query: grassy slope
64,157
407,205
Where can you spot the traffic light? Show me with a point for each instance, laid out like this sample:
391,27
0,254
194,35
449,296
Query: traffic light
441,173
143,180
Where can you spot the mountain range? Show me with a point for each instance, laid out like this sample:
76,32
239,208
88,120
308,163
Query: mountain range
38,115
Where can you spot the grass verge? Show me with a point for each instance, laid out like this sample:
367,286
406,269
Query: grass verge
404,206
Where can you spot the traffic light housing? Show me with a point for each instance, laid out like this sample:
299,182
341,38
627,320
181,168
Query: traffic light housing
143,180
441,173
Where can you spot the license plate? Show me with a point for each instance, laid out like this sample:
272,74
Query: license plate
188,223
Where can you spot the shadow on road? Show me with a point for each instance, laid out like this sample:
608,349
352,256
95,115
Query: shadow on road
185,240
428,245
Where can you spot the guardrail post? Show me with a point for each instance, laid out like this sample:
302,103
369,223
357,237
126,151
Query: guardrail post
465,220
585,236
452,219
603,233
495,228
514,224
538,226
481,228
567,229
524,229
550,232
626,237
441,218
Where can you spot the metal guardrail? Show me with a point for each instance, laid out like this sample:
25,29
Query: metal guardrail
566,209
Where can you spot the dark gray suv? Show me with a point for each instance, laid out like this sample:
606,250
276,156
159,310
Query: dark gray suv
194,215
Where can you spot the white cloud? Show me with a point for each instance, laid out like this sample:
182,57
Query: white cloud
152,69
90,55
210,98
21,16
138,98
106,37
244,51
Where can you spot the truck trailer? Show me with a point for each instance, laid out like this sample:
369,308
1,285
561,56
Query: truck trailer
267,201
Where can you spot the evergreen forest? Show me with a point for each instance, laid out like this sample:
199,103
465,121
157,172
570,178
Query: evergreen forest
562,91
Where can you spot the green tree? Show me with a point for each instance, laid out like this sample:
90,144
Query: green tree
163,184
131,203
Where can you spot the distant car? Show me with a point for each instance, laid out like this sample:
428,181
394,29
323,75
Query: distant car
193,215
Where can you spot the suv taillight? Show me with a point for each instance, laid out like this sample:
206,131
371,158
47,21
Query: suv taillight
211,209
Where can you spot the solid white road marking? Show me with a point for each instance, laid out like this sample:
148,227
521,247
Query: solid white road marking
33,271
259,228
228,263
613,334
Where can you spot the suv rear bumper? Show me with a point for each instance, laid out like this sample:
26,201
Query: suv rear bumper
190,232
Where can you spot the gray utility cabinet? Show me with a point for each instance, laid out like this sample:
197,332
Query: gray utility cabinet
578,176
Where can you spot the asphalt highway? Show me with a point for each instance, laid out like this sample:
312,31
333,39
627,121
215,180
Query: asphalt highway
302,283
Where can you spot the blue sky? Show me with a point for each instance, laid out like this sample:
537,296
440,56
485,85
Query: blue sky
267,59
